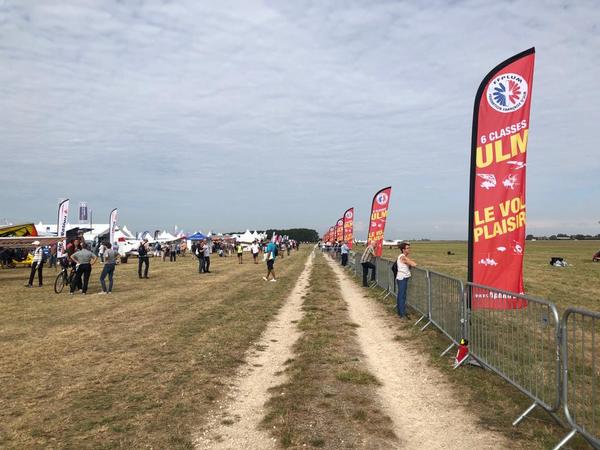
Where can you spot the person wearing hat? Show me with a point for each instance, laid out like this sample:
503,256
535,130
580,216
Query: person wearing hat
38,264
143,259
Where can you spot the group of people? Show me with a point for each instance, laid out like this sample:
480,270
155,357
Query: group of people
80,257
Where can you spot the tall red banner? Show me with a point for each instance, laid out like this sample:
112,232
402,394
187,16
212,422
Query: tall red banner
331,234
379,212
497,188
349,227
339,229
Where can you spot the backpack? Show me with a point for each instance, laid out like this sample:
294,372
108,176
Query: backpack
142,250
395,269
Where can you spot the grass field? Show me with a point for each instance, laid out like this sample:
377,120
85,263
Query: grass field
137,369
143,367
576,285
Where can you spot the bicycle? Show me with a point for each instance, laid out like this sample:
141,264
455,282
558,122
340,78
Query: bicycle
64,277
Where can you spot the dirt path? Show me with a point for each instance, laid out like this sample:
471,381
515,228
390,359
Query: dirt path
425,412
235,425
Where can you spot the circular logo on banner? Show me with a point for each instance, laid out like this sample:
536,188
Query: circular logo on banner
382,198
507,92
340,222
349,215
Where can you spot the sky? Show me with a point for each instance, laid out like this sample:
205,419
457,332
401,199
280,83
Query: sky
262,114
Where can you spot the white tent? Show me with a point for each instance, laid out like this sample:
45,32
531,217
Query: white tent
166,237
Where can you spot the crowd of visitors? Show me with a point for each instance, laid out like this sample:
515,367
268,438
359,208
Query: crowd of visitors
80,257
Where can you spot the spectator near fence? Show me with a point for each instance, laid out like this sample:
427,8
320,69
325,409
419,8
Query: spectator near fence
402,276
37,264
345,250
367,262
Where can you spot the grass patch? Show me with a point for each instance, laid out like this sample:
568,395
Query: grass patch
329,398
138,369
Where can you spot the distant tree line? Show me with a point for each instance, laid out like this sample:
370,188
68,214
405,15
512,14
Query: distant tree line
297,234
563,236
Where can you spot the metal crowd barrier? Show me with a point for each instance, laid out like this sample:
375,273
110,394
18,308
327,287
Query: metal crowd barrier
580,331
447,309
552,361
517,337
418,293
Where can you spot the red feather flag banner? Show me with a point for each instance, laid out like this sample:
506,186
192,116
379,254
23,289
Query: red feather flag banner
348,235
497,184
379,213
339,229
331,234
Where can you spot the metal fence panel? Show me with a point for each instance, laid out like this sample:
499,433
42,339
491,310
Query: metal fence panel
580,366
418,291
447,309
519,343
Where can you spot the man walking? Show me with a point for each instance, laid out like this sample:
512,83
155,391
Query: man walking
38,264
254,249
367,259
84,259
271,254
143,259
110,257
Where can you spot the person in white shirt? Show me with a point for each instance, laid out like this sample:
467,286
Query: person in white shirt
37,264
254,248
403,275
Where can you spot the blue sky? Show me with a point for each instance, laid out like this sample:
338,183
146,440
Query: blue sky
248,114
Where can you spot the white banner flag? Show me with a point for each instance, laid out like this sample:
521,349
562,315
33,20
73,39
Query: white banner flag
61,227
112,223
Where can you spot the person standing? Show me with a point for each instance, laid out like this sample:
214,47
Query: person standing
367,262
101,249
403,275
53,256
110,259
345,250
207,251
240,252
84,259
270,255
37,264
254,248
143,259
173,252
200,255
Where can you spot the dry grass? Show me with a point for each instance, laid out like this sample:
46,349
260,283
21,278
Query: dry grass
137,369
576,285
329,399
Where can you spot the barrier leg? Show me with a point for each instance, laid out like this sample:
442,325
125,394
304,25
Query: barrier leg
447,350
522,416
566,439
417,322
426,325
386,295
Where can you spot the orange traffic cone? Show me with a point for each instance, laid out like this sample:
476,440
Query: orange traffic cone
462,354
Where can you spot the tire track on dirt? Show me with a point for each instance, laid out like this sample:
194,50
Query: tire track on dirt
425,412
235,424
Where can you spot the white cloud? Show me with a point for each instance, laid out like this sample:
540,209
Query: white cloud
164,108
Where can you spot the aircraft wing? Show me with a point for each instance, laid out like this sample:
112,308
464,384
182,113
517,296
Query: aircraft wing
27,241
